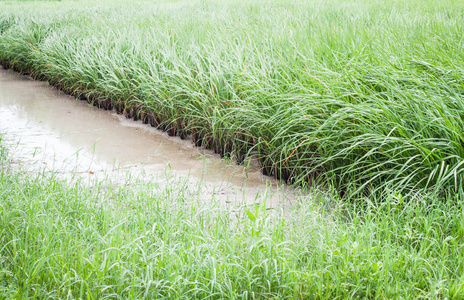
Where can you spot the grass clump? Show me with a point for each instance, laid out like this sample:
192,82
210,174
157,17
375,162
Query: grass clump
365,94
62,240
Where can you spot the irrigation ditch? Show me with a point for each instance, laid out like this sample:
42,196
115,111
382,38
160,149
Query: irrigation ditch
240,147
50,132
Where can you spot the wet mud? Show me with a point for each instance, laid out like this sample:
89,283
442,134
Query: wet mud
62,134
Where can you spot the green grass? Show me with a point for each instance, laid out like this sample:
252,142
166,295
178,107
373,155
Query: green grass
101,240
364,94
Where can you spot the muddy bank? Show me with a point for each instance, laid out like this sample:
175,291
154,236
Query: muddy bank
60,133
237,146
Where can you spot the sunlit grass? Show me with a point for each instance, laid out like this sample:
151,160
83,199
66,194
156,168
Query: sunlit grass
366,94
62,240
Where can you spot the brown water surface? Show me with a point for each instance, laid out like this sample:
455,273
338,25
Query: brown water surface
61,134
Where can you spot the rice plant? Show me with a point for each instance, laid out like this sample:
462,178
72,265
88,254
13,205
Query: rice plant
362,94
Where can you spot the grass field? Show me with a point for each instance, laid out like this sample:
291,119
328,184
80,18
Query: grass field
364,94
62,240
363,97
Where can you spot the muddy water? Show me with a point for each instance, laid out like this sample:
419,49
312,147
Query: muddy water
59,133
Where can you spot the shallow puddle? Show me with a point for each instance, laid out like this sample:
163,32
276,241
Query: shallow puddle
61,134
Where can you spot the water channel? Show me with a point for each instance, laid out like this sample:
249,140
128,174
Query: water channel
53,131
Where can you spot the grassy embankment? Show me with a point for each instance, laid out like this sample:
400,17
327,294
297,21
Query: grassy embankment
365,94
